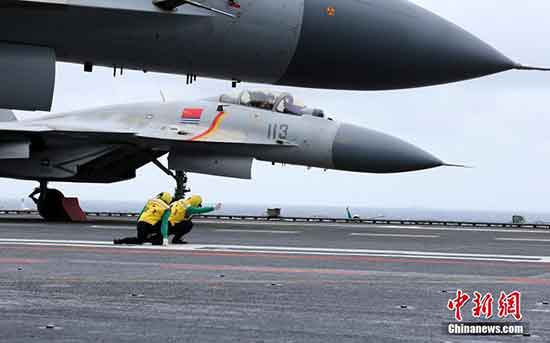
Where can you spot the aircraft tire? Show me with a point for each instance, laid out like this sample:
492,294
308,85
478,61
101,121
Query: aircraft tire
50,206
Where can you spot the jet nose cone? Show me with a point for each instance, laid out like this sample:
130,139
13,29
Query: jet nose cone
442,52
363,150
386,44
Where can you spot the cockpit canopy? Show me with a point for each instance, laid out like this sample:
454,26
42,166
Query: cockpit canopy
271,101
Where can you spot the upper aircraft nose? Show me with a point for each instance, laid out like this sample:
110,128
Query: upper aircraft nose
385,44
368,151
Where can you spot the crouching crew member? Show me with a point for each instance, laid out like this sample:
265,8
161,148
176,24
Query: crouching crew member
181,213
154,215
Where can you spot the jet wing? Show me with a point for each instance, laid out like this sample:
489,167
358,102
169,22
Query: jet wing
124,5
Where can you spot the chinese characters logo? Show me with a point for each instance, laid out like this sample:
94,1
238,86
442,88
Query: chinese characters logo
509,305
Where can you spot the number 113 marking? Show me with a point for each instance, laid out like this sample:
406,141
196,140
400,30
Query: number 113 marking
275,131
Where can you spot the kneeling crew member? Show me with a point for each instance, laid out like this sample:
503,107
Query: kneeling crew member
150,221
181,213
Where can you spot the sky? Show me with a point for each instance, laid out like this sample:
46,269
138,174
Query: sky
499,125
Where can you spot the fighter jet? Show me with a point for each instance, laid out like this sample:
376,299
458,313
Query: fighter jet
217,136
343,44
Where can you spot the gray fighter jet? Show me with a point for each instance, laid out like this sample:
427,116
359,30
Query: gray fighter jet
343,44
217,136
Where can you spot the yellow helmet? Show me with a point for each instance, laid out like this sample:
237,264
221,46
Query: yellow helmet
195,200
165,196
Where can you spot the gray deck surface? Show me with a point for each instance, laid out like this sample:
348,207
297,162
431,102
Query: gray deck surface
261,282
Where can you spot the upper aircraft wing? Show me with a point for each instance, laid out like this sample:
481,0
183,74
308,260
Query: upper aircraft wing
125,5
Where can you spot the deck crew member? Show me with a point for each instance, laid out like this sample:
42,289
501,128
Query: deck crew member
150,221
181,213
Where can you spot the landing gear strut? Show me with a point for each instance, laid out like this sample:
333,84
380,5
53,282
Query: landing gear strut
54,207
181,185
181,180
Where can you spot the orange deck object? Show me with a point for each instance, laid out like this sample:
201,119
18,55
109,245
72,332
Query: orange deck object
73,210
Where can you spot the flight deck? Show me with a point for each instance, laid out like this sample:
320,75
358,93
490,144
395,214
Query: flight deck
258,281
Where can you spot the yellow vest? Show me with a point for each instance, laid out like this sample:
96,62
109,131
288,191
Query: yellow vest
153,212
178,212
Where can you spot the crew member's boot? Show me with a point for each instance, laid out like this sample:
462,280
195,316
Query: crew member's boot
178,240
128,240
155,239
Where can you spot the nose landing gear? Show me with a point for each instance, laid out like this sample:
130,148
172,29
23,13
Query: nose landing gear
53,206
181,185
180,177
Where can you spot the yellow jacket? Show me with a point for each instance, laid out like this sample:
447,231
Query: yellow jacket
153,211
178,211
183,210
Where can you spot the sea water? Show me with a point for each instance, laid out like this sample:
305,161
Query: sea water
315,211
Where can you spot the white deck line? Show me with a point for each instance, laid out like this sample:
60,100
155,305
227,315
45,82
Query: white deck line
259,231
284,250
392,235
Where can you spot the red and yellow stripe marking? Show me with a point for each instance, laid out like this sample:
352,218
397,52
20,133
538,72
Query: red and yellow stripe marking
212,129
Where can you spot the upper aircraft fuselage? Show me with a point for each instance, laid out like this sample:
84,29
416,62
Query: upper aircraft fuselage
344,44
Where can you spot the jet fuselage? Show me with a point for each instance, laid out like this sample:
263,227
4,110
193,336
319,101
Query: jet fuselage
347,44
